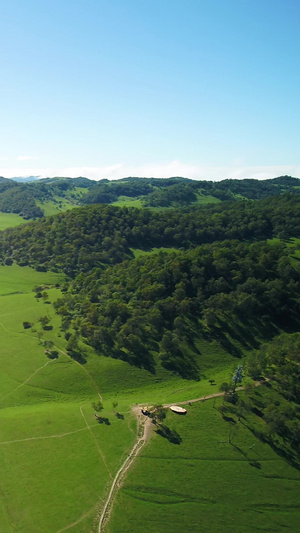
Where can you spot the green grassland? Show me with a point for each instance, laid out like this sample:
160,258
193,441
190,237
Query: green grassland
57,462
62,203
16,279
52,449
9,220
126,201
52,207
205,483
206,199
294,246
138,252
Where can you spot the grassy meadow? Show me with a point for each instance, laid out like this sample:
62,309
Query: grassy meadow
217,477
9,220
57,462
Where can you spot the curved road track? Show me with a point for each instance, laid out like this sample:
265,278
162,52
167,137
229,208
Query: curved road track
144,425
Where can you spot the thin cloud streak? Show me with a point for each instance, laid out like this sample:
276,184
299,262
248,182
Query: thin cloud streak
164,170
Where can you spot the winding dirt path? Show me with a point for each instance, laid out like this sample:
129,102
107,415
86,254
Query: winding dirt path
143,434
59,436
144,429
82,368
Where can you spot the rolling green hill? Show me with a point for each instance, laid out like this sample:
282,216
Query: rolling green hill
118,307
45,197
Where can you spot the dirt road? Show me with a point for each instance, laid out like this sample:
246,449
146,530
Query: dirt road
144,428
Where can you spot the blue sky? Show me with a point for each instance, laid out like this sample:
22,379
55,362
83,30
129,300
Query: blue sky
206,89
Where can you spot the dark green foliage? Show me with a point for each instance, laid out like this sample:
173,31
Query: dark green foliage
106,193
280,360
175,195
159,413
225,280
52,354
148,304
277,403
181,192
97,406
44,321
19,200
103,420
6,184
96,236
237,377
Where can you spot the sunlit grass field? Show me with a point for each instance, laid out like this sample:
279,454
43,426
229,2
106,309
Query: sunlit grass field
219,478
50,207
57,463
9,220
56,460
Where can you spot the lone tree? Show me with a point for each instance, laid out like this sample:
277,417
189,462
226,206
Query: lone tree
237,376
44,321
158,414
97,406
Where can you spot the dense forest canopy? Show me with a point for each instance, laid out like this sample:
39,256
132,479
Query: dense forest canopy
94,236
147,304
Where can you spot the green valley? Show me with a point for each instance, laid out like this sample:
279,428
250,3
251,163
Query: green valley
162,298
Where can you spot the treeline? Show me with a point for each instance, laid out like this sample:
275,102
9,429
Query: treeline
148,305
180,192
97,236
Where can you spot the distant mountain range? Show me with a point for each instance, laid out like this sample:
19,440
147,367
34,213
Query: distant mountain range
26,179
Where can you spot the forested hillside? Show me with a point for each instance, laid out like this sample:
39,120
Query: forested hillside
179,192
230,291
228,276
24,198
30,199
95,236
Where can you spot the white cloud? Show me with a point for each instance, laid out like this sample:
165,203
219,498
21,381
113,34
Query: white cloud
157,170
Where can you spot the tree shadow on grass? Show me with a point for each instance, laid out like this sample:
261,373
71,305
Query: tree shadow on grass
252,462
103,420
77,356
170,434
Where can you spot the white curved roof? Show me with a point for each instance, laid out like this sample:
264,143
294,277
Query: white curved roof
177,409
